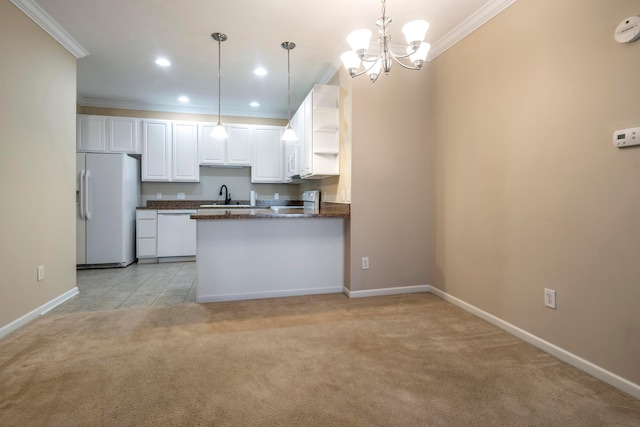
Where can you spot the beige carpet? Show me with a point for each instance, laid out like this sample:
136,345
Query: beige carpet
411,360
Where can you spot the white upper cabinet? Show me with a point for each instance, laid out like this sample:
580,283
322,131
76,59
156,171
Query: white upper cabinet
105,134
292,148
268,155
123,135
213,151
234,150
185,167
170,151
90,133
320,136
156,150
239,144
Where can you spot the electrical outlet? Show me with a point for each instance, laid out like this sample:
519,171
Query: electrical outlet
365,263
40,273
158,196
550,298
180,196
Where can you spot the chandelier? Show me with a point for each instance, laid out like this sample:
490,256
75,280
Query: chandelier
358,40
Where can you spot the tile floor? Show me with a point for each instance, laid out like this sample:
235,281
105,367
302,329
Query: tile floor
132,286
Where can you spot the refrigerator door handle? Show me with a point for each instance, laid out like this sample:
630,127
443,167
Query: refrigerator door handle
82,174
87,214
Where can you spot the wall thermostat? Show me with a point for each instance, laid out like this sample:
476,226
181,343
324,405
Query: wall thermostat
629,30
626,137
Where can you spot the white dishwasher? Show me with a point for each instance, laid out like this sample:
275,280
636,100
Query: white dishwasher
176,233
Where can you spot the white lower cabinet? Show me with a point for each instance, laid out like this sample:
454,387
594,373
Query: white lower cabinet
268,155
146,234
176,233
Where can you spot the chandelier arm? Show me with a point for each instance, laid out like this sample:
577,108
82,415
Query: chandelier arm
408,67
396,56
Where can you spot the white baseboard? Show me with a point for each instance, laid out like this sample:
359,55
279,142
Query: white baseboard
570,358
386,291
7,329
268,294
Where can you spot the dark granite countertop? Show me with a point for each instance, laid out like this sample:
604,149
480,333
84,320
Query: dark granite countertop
261,211
327,210
195,204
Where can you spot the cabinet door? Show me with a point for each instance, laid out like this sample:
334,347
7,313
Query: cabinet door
90,133
212,150
122,135
185,165
146,231
268,155
306,140
156,150
239,144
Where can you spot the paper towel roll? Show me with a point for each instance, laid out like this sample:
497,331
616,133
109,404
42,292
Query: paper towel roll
254,196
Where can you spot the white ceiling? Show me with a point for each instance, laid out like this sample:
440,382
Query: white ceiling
124,38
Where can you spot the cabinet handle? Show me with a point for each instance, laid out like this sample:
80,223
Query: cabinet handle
82,214
87,214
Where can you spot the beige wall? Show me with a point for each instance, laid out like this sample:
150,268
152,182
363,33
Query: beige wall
526,188
389,135
237,180
37,165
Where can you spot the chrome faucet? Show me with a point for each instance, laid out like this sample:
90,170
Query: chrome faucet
227,196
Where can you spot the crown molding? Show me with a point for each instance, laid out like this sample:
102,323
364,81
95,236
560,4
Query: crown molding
468,26
105,103
46,22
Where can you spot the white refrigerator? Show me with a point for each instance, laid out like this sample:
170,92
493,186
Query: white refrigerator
107,194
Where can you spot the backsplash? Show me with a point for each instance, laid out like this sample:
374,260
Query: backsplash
237,180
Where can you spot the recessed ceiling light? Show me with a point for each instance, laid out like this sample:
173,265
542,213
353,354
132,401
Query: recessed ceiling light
183,99
260,71
163,62
255,104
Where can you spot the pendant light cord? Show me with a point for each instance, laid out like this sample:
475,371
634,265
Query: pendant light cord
289,82
219,66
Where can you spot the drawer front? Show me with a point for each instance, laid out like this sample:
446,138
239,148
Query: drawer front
146,248
146,214
146,228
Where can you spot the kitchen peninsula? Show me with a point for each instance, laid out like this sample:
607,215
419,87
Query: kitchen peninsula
263,253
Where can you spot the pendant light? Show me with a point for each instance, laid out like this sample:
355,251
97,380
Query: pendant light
219,130
289,134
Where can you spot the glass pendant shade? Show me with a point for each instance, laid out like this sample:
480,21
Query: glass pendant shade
359,40
289,135
350,60
419,55
415,31
219,132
